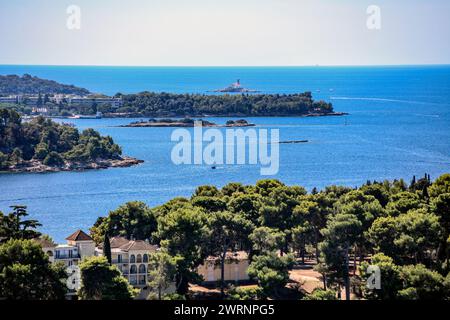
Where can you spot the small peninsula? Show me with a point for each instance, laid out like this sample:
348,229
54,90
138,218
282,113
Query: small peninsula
184,123
42,145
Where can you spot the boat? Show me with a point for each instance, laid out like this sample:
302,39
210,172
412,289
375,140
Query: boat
98,115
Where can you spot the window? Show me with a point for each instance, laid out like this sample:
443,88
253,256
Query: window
119,258
145,259
139,258
142,268
133,269
132,259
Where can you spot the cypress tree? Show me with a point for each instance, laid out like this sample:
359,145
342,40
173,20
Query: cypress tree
107,249
413,184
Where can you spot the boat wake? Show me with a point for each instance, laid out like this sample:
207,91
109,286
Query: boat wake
384,100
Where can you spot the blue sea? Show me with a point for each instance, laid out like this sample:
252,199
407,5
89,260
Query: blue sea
398,126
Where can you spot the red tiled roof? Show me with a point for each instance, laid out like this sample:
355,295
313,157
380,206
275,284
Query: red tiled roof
138,245
117,242
79,235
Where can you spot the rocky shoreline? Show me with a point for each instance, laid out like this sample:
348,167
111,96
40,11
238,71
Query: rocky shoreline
231,115
169,123
35,166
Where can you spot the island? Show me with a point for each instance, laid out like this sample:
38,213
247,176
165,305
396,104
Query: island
42,145
33,96
163,105
184,123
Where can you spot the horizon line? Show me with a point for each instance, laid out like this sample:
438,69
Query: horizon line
226,66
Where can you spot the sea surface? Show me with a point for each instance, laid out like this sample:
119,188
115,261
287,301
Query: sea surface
398,126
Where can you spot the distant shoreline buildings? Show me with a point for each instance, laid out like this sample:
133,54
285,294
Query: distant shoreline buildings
39,105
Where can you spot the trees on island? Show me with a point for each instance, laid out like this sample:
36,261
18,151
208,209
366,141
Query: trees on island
49,142
169,104
27,84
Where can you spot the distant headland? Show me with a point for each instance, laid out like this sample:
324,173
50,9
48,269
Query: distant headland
32,96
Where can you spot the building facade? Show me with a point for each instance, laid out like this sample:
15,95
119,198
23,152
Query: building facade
132,258
236,267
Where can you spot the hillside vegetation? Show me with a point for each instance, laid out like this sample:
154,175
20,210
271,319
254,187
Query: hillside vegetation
163,104
27,84
48,142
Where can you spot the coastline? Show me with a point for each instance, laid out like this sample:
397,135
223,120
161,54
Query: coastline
181,124
236,115
34,166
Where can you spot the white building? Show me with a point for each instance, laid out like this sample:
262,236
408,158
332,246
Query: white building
78,246
236,268
132,259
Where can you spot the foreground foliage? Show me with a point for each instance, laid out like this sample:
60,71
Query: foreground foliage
404,229
27,274
101,281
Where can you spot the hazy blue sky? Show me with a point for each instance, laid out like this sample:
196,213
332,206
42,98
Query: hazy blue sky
232,32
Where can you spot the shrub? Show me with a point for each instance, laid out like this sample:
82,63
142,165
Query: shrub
53,159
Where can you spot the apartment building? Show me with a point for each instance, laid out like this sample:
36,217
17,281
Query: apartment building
132,258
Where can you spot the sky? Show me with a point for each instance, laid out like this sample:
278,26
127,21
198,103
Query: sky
224,33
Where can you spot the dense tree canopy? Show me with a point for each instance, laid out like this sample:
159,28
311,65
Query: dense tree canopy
169,104
402,229
101,281
133,220
27,274
27,84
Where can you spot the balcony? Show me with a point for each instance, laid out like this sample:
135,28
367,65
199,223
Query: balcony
67,256
122,261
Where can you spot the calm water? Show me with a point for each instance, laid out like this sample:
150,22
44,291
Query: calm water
398,127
